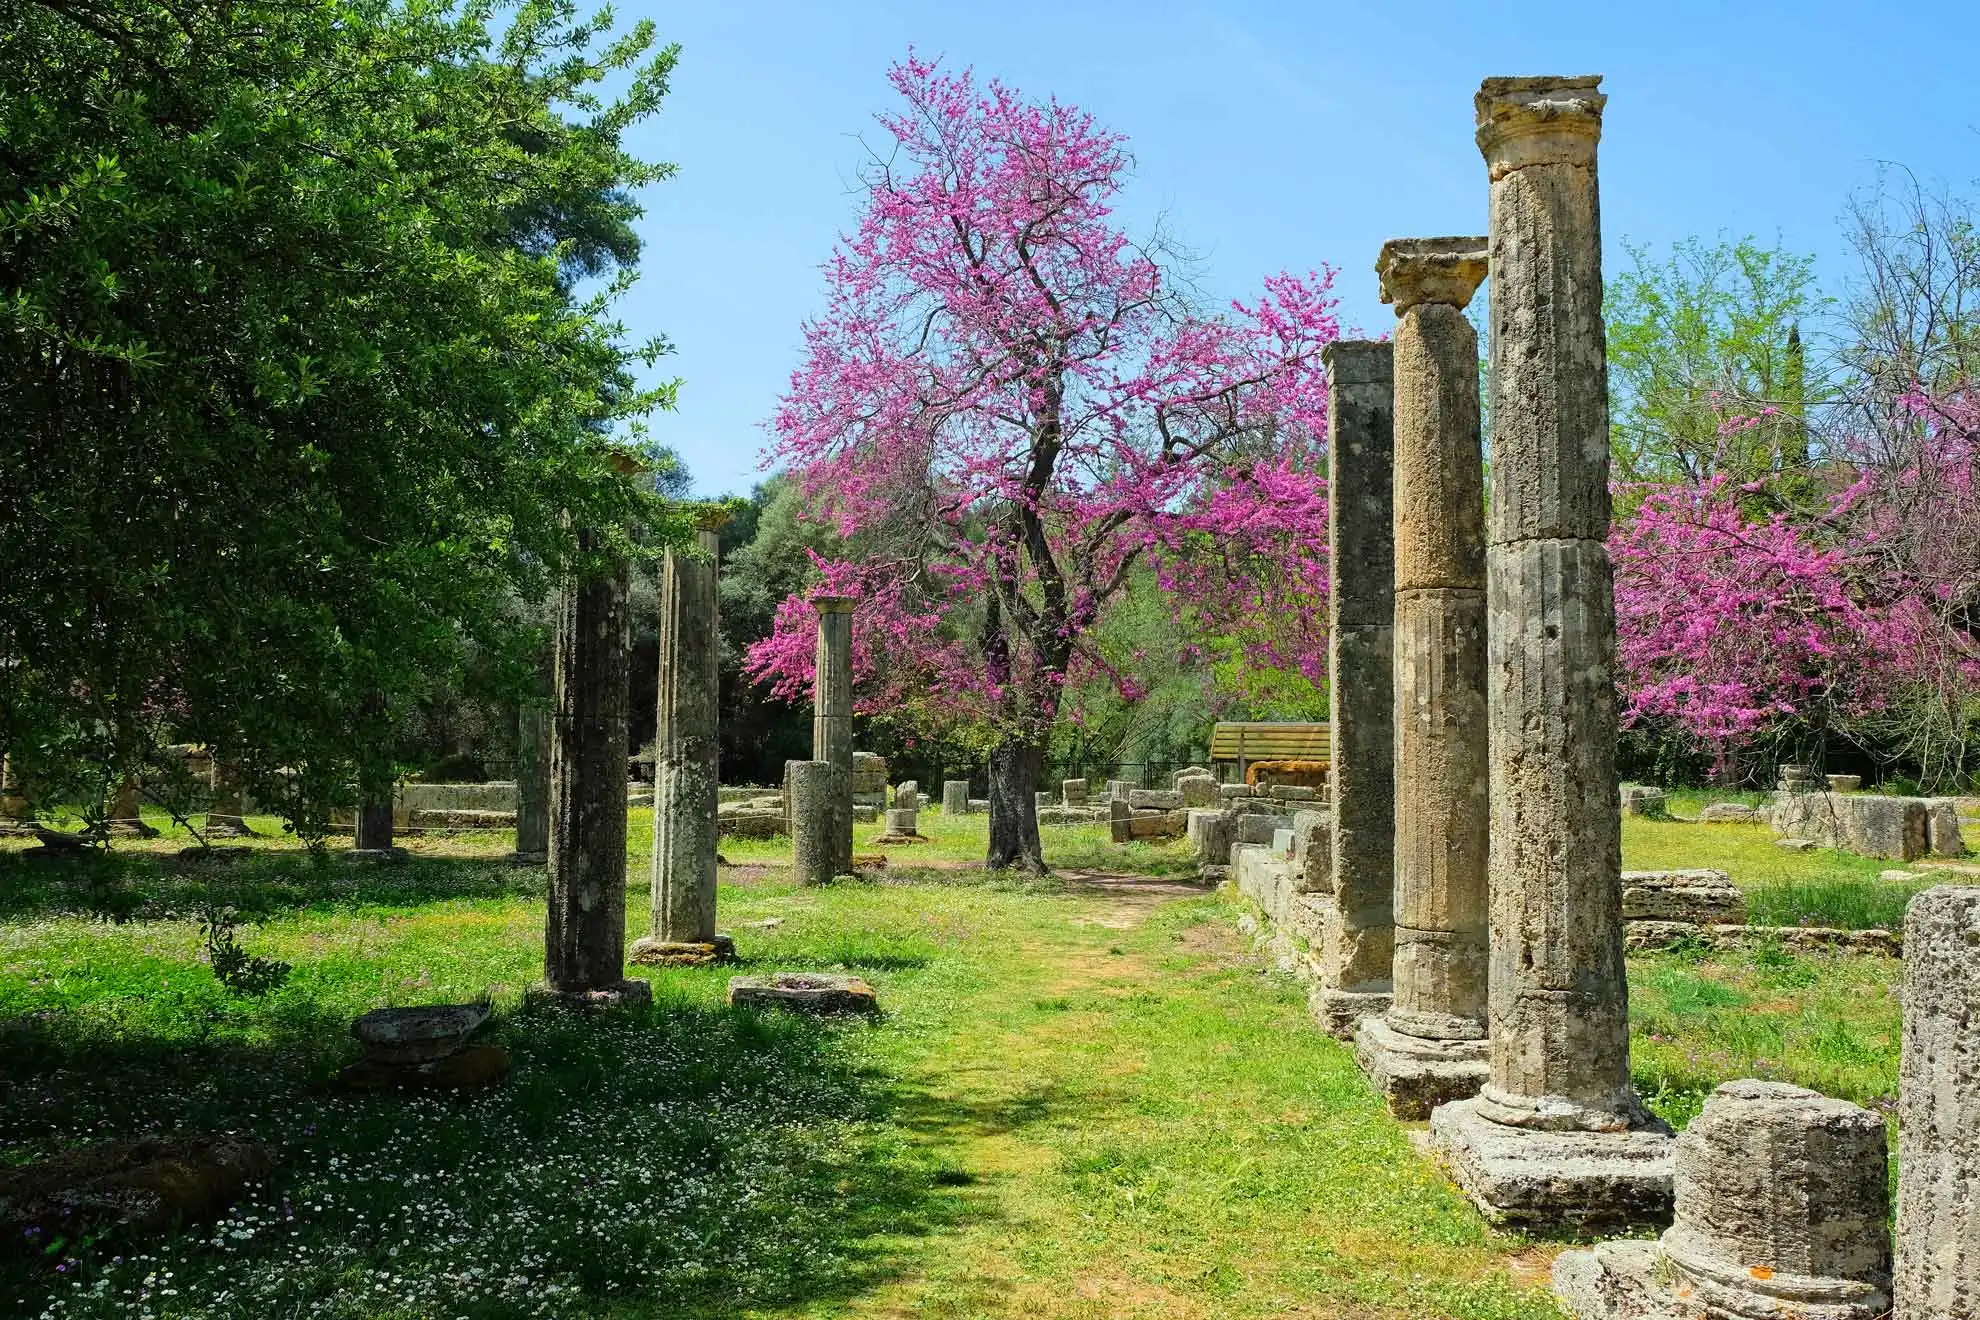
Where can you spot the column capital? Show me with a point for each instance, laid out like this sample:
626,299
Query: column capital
1539,121
712,517
834,604
1359,361
1431,270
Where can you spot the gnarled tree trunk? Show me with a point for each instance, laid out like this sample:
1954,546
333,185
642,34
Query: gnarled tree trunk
1014,769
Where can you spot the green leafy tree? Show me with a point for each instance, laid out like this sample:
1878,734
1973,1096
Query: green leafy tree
307,366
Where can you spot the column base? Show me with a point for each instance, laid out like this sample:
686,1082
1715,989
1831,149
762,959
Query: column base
1640,1281
625,994
1415,1074
1557,1181
651,952
1340,1011
376,855
527,859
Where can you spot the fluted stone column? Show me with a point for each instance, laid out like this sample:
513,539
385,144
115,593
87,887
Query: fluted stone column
831,716
1938,1216
584,938
1430,1046
1557,1137
686,772
1357,939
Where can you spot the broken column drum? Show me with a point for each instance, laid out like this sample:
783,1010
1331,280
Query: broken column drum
686,772
584,938
831,714
1557,1137
813,788
1430,1048
1357,943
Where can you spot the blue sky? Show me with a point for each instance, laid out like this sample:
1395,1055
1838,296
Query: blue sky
1268,137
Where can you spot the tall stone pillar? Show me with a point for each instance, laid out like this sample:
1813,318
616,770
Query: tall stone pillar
1430,1046
585,936
1557,1137
686,778
1358,936
533,776
1938,1216
831,716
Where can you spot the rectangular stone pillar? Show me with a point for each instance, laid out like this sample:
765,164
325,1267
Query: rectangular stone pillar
686,769
1358,943
1557,1138
585,936
1430,1048
1938,1217
831,716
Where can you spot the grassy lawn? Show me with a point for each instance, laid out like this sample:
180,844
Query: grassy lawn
1087,1097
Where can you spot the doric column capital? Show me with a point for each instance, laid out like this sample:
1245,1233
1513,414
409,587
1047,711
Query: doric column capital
834,604
1539,121
1431,270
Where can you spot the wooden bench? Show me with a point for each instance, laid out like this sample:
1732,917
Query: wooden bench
1245,743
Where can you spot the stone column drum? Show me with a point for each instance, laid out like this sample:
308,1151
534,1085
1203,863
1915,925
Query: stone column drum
686,770
1938,1215
813,788
1357,941
1430,1046
1782,1207
1557,1137
831,714
585,936
955,797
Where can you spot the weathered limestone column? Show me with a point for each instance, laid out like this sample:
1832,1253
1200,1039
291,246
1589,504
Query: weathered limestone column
1557,1137
831,715
1430,1046
1357,942
533,776
814,788
1938,1217
955,797
1782,1210
585,936
686,773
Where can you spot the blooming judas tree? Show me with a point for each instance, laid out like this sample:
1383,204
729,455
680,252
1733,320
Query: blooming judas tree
1007,406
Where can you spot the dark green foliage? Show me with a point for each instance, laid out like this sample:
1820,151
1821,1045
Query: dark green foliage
234,967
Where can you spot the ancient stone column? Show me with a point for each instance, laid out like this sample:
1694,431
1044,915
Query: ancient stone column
1938,1216
813,788
1430,1046
223,818
16,813
1781,1210
374,827
533,727
686,778
1357,941
1557,1137
585,936
831,715
122,814
955,797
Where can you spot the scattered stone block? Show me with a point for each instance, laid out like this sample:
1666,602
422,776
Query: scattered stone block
1259,827
1845,783
144,1185
650,952
1647,935
903,822
1313,852
1282,845
419,1034
1416,1074
629,993
1727,813
1524,1177
1781,1206
1198,791
1228,791
752,823
1072,792
1641,800
1042,800
1800,779
1942,835
1213,833
1699,897
804,992
1263,880
1154,799
977,806
1865,823
955,797
1938,1213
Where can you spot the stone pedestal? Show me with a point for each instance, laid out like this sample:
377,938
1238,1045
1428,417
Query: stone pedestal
223,818
122,815
585,935
1429,1048
1359,945
901,823
955,797
1938,1215
1072,792
686,781
814,788
1557,1138
831,716
1781,1210
533,779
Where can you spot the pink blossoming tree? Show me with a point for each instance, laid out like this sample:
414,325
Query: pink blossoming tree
1008,406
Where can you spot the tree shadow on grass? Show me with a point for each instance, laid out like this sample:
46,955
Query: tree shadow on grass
679,1160
123,886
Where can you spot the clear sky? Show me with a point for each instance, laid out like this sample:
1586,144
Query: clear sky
1269,136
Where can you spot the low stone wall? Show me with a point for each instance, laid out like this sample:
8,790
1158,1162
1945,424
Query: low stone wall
1647,936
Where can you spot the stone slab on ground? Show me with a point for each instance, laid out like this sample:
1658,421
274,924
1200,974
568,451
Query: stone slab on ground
1727,813
1584,1182
628,993
1894,828
1700,896
419,1034
650,952
1641,800
144,1185
1645,935
1416,1075
804,992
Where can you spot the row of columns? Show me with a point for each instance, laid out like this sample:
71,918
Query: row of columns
1476,952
